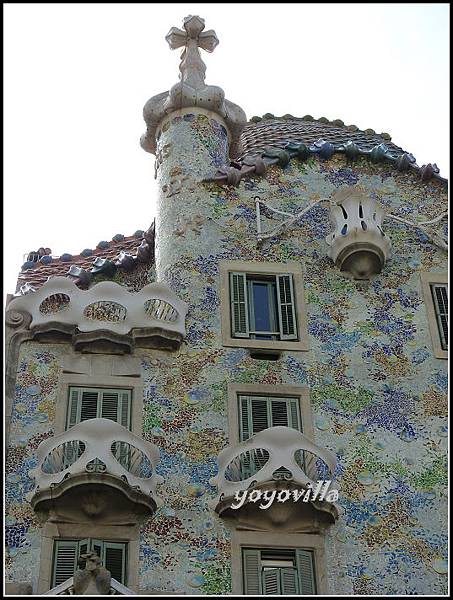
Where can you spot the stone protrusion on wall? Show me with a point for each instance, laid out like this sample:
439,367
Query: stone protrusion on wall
357,243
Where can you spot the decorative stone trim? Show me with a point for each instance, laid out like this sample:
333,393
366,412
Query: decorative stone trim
281,443
357,243
89,444
60,304
257,164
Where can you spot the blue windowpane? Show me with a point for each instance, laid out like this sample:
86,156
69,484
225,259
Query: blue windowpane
261,307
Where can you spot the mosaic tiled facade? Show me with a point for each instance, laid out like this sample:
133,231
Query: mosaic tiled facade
378,395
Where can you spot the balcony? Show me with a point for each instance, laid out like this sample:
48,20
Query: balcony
67,589
97,469
281,460
105,318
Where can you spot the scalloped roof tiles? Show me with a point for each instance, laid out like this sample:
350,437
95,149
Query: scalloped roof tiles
273,132
41,271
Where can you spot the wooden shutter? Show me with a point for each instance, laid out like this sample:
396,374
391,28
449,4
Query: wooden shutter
294,419
239,305
271,582
124,410
306,572
90,403
252,572
286,307
260,412
115,560
110,405
66,555
75,404
440,298
289,583
97,546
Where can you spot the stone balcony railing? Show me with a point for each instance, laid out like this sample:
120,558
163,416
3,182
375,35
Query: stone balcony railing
67,589
96,469
275,459
107,314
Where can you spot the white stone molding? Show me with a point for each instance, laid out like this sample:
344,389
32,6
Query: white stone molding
357,243
67,589
97,435
281,443
167,313
191,90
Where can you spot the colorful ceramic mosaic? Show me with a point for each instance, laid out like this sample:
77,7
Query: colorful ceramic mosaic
378,395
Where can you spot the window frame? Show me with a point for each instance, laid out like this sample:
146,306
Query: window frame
301,393
427,280
100,390
91,541
100,372
262,269
280,569
124,534
268,540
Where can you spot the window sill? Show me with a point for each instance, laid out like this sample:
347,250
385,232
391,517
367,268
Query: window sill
300,346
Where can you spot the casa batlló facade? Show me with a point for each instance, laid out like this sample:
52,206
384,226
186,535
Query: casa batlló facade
283,322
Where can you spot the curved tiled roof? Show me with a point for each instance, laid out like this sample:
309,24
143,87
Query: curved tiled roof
119,253
271,132
271,140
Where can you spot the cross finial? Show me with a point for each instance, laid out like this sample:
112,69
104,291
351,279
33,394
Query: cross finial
192,67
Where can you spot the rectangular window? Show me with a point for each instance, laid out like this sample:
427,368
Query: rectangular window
278,572
94,403
113,556
257,413
263,306
439,294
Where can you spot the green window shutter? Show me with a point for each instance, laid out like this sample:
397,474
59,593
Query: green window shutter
97,546
125,409
289,583
244,418
83,547
286,307
252,572
239,305
440,299
110,405
271,582
65,560
115,560
90,403
306,572
279,413
74,407
295,420
261,416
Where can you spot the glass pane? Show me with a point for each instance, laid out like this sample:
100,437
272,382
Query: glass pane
261,307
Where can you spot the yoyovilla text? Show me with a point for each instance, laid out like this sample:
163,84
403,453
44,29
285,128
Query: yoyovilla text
320,492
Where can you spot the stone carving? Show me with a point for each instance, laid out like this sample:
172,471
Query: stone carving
81,305
191,90
357,244
281,444
91,578
94,461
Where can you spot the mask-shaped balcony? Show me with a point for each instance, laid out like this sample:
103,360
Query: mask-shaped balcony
106,318
96,469
281,470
